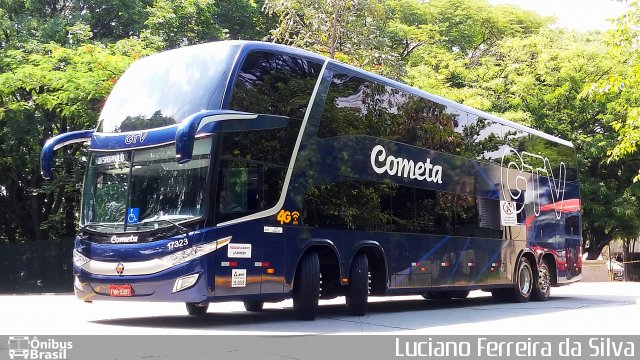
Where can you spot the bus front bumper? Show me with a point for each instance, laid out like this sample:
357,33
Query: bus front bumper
183,283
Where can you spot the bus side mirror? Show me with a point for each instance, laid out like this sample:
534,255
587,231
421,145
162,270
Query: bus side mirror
56,142
219,121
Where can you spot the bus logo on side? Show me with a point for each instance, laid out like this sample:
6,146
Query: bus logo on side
515,164
424,171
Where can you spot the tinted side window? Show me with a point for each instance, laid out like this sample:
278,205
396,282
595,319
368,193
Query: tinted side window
572,225
484,139
349,204
254,163
277,84
356,106
369,206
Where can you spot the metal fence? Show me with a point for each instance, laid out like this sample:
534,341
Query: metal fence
36,267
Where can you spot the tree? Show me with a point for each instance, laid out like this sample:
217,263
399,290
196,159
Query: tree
46,90
624,83
183,22
58,61
377,35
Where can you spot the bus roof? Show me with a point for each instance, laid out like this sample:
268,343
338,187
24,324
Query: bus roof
257,45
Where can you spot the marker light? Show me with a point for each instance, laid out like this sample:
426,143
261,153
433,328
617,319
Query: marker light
185,282
79,259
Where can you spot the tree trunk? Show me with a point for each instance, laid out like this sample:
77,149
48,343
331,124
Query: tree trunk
595,250
626,247
597,240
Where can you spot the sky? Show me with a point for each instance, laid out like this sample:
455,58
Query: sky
581,15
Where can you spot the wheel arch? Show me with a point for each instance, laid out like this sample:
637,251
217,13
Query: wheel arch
551,262
330,269
377,265
530,256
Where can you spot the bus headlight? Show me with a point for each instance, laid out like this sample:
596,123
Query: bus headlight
79,259
194,252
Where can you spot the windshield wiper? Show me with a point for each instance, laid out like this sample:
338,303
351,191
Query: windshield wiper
152,220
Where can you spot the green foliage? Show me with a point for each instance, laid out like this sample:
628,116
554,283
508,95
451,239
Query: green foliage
58,61
183,22
623,84
45,90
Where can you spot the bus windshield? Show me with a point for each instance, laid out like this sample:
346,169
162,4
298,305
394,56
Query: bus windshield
144,189
163,89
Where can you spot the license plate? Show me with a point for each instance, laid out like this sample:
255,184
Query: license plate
120,290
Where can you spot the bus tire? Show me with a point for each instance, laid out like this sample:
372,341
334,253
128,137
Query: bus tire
450,294
440,295
499,295
524,282
459,294
542,285
253,306
358,289
306,287
197,309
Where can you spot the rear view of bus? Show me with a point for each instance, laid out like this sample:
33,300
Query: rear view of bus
258,172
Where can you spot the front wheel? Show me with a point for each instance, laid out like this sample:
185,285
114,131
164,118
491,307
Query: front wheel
358,290
197,309
542,287
306,287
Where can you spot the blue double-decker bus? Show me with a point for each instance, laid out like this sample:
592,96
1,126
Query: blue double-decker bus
258,172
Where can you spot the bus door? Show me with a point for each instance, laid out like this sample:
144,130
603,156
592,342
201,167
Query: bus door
573,244
238,269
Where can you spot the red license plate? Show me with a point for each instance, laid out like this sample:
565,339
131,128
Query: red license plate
120,290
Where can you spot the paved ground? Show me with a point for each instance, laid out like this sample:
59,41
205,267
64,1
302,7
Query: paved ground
583,308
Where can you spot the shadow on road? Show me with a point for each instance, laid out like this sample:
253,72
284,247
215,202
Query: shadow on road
382,316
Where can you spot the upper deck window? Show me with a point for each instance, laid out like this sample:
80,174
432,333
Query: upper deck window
165,88
276,84
356,106
254,164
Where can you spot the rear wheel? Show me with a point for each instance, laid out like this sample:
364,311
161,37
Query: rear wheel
358,290
524,283
306,287
197,309
542,287
254,306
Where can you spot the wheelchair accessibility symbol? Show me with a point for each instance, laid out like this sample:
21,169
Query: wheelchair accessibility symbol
132,215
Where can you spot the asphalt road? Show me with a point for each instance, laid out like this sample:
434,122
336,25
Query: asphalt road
578,309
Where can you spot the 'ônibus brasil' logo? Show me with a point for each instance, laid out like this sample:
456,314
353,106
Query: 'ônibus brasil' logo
26,347
402,167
